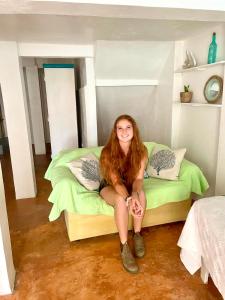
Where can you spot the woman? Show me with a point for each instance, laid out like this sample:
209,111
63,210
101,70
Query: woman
122,164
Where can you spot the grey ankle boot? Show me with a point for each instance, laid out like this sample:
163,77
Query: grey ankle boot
128,259
139,246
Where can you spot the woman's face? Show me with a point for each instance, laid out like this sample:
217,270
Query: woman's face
124,131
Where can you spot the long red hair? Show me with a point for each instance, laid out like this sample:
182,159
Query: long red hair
114,161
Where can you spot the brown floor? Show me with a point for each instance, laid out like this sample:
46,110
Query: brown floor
49,267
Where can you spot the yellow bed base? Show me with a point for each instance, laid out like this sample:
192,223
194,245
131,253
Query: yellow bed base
86,226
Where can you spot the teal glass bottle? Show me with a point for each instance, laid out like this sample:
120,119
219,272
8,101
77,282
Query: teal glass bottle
212,50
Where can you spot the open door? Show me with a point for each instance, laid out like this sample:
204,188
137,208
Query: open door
61,101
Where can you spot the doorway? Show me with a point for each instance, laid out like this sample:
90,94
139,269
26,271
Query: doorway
55,104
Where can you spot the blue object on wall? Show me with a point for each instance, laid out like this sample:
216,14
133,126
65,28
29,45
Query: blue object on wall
212,50
65,66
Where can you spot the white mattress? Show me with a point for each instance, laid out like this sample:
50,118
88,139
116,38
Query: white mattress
202,240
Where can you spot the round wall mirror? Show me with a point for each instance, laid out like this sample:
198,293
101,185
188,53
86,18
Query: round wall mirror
213,89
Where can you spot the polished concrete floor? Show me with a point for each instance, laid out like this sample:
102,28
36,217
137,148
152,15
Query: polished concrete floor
49,267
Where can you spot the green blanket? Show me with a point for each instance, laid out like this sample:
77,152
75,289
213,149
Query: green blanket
69,195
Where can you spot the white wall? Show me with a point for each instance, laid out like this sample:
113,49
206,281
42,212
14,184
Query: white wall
87,94
34,101
126,59
196,127
3,113
149,105
44,105
115,101
177,86
199,132
7,274
199,43
220,171
161,132
17,120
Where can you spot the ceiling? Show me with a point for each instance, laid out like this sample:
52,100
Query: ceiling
206,10
68,22
71,29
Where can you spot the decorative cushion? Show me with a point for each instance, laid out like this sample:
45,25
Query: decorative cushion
86,170
146,174
165,163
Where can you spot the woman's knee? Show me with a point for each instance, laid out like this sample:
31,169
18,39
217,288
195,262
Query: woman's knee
120,202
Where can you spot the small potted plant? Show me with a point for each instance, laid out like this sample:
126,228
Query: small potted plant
186,95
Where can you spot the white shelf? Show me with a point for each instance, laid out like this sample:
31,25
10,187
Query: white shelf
126,82
198,104
201,67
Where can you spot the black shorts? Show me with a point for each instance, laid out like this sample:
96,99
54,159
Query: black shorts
103,184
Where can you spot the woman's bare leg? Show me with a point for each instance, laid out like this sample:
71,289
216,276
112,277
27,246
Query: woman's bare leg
137,220
120,210
121,218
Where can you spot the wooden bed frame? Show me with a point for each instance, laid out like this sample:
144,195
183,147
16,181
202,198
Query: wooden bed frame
86,226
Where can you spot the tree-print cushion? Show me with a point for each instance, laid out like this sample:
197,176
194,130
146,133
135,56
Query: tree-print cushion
165,163
86,170
146,174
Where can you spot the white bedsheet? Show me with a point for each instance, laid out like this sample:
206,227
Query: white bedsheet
202,240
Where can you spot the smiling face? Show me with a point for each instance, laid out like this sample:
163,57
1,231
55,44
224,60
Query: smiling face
124,131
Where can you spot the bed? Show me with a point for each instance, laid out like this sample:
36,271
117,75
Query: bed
202,240
87,215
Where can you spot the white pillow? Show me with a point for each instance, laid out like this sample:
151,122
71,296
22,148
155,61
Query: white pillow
86,170
165,163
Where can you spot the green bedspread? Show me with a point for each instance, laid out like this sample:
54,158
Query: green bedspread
68,194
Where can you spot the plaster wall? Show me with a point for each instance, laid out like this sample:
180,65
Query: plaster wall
198,127
149,105
3,113
34,100
17,120
7,274
87,94
199,43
